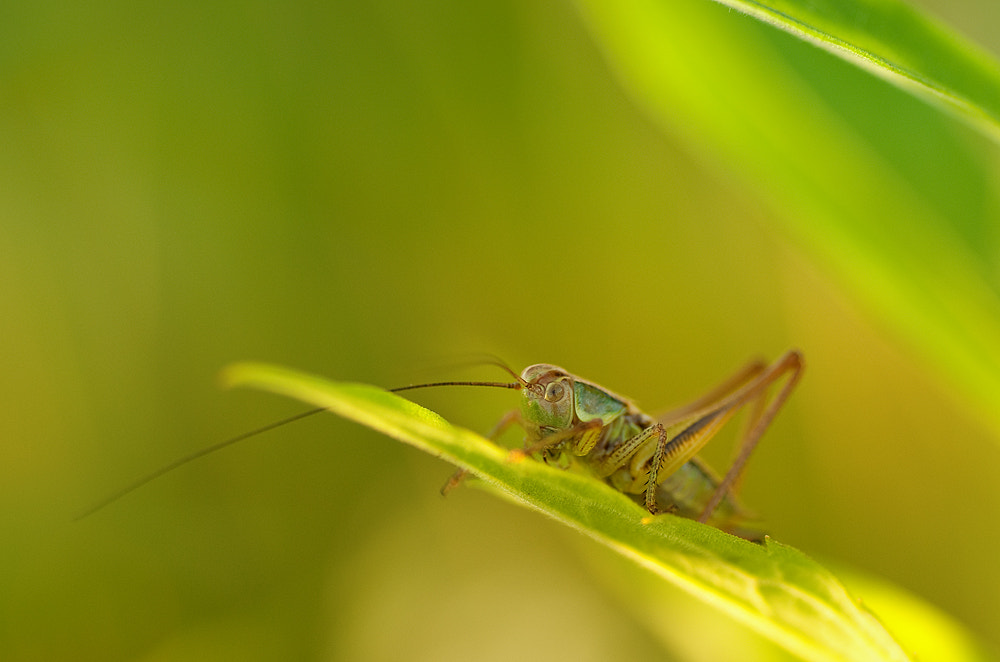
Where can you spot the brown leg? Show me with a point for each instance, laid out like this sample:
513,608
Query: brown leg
791,364
741,377
513,417
694,425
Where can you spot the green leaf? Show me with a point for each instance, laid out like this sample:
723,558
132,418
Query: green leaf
833,151
772,588
898,43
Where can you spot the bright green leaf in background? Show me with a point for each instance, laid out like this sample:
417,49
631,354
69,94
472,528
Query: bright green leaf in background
921,258
895,41
773,588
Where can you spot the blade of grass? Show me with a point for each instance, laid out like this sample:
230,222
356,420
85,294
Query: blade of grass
898,43
772,588
727,85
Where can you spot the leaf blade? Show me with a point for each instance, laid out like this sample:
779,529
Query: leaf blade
729,88
898,43
773,589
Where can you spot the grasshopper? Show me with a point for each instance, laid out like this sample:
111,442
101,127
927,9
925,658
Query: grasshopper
653,459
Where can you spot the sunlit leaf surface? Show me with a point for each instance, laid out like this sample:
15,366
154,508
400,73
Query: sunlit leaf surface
772,588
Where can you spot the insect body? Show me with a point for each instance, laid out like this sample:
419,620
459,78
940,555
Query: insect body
651,458
631,451
654,459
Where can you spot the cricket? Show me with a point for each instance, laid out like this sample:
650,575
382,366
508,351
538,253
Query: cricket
654,460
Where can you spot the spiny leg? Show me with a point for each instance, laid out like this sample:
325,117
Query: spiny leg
654,469
703,424
691,411
728,387
624,451
670,452
756,411
678,444
674,451
789,363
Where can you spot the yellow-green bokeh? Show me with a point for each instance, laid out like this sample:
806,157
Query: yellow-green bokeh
376,191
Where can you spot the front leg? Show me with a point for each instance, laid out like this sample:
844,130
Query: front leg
585,436
512,417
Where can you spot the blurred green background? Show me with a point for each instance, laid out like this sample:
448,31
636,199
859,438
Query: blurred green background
376,191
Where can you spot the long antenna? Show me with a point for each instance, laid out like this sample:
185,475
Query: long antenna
493,384
491,360
133,486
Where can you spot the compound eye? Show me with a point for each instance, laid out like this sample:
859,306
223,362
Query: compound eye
555,391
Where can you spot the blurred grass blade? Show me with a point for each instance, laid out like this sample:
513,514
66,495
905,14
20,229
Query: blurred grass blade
914,240
929,634
774,589
898,43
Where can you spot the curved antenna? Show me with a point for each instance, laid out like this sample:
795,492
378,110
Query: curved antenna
134,485
516,385
490,360
481,358
208,450
500,363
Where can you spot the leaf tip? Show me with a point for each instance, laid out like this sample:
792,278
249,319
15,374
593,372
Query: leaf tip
236,374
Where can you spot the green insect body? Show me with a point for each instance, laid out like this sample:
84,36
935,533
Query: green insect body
566,415
652,459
